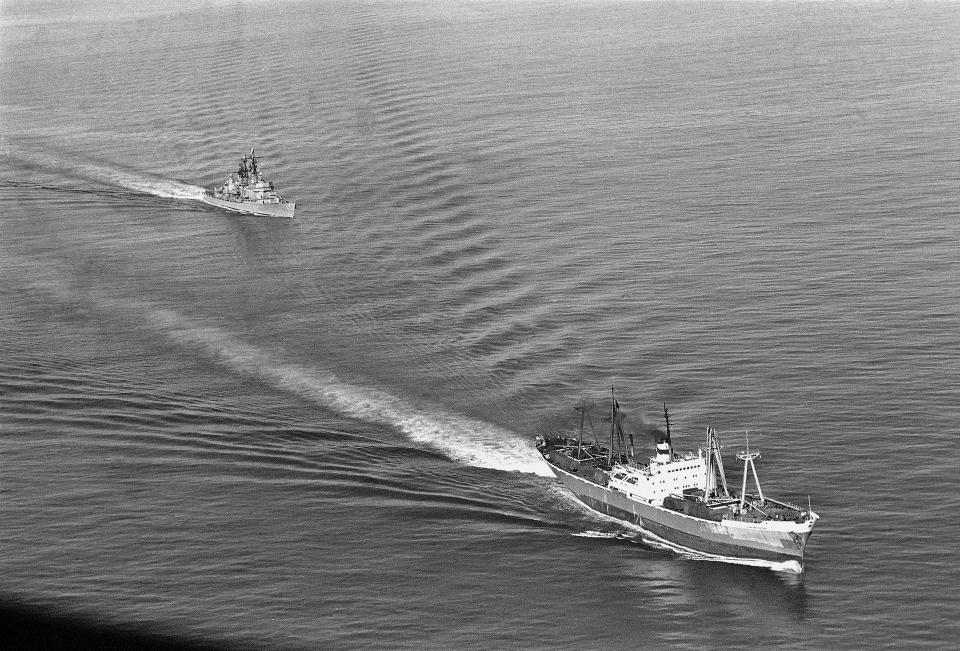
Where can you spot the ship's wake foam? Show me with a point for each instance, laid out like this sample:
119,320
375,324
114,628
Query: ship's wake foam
598,534
463,439
69,166
145,184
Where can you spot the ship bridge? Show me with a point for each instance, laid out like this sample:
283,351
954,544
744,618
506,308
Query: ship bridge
653,482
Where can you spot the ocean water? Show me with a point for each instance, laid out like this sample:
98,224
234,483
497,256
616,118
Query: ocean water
317,433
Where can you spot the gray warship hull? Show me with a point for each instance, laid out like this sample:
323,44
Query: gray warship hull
783,544
261,209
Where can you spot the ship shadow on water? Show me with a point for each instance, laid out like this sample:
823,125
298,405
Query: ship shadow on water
747,591
261,239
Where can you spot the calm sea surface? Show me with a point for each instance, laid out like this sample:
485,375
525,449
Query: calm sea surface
318,432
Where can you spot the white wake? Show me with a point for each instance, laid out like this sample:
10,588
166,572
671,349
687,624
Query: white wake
463,439
66,165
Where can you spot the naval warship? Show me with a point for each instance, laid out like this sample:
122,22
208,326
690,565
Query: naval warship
246,191
682,499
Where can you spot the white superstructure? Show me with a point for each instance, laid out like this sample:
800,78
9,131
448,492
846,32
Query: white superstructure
661,477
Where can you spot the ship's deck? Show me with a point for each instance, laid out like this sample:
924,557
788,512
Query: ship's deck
591,463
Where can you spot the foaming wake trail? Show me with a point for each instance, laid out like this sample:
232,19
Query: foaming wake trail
467,440
70,166
596,534
463,439
143,183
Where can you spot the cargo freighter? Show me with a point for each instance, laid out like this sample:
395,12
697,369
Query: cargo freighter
680,498
246,191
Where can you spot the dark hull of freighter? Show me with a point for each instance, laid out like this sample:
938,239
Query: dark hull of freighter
281,209
773,542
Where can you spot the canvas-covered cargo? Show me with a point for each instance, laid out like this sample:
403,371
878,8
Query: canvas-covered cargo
561,460
692,507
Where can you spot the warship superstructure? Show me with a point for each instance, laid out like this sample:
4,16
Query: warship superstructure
246,191
680,498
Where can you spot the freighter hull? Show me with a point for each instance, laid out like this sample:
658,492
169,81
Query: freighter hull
282,209
780,542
